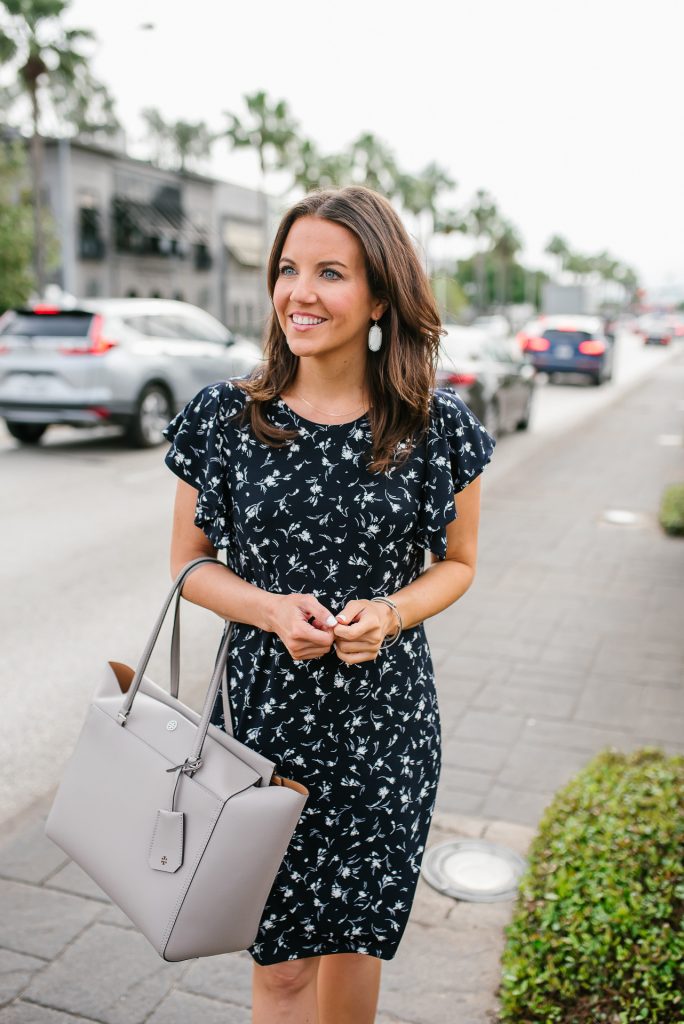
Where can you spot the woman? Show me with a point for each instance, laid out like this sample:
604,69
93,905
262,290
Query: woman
325,475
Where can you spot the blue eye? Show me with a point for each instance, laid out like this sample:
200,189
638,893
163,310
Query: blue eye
284,269
329,270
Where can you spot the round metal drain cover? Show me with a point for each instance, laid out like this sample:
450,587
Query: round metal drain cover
473,870
621,517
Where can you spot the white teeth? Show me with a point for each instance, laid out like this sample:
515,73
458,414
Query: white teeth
303,320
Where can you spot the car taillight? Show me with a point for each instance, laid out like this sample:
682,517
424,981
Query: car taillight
461,378
98,343
592,347
537,344
45,310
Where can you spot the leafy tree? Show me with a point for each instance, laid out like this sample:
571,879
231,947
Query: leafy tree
629,280
449,294
311,169
522,283
52,73
269,129
605,266
178,142
420,195
16,228
507,243
579,265
558,247
373,164
480,221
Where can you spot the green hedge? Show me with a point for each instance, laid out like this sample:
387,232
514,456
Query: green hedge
597,933
672,510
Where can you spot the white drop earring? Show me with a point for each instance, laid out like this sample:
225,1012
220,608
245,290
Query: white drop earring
375,337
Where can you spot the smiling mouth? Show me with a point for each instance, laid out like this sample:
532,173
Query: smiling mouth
306,321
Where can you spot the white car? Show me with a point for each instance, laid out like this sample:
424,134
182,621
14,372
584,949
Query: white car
133,362
495,326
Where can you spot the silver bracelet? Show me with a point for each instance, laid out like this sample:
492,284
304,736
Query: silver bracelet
395,637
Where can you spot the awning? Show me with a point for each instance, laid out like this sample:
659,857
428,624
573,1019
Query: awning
159,222
245,242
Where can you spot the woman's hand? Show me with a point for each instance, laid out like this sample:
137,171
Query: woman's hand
289,618
362,626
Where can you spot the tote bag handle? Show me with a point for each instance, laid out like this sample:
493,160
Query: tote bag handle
221,660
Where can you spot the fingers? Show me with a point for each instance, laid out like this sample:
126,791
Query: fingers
311,606
359,621
355,659
350,611
356,633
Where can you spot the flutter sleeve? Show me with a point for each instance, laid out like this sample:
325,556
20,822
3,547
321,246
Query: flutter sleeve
457,450
199,455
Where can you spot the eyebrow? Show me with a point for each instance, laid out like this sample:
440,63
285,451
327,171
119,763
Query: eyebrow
322,263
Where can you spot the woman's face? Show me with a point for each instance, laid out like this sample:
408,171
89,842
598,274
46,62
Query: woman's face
321,297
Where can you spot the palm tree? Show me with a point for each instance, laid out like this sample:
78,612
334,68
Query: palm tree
629,280
480,220
579,265
178,141
419,195
312,169
270,130
50,68
373,164
507,243
606,266
158,134
558,247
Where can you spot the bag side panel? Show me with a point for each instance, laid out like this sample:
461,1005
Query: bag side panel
225,901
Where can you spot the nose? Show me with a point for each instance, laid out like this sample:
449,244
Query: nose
302,290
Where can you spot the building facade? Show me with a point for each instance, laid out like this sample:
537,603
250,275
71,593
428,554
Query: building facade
128,228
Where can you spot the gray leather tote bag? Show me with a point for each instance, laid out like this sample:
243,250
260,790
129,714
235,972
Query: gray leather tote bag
181,825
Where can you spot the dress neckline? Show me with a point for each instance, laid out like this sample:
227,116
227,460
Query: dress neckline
313,423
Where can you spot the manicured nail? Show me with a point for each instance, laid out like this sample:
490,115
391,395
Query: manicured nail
331,621
342,618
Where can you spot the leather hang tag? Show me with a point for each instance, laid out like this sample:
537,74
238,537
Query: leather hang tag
166,848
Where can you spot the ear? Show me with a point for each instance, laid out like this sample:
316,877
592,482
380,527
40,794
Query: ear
379,309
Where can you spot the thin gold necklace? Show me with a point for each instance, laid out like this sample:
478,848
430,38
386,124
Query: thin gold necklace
335,415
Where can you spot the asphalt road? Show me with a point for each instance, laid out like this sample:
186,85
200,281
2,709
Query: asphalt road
84,552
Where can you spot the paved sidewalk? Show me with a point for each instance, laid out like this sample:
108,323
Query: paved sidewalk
570,641
571,638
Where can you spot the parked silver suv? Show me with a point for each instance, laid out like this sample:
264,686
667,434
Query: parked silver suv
134,362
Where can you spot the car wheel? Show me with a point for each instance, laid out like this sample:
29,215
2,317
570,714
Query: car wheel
492,419
27,433
152,415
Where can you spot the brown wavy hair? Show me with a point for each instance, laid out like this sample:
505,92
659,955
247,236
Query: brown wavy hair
400,377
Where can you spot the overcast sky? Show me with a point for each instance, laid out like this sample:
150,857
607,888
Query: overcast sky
569,113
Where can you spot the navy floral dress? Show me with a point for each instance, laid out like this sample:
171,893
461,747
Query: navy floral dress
365,739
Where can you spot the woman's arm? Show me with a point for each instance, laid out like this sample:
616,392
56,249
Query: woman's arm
435,589
224,592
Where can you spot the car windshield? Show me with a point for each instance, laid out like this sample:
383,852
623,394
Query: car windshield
567,337
47,325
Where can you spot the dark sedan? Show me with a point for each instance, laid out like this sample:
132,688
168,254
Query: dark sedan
572,344
491,377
